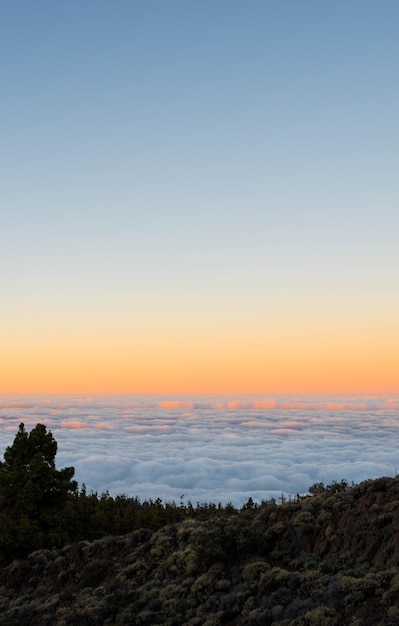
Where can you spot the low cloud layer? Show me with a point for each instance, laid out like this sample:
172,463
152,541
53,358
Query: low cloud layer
212,449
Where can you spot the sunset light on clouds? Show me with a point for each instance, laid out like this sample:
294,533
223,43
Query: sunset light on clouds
199,198
213,447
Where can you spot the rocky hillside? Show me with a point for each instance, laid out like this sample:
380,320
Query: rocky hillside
331,558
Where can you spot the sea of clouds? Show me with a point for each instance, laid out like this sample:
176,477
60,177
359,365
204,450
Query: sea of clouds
212,449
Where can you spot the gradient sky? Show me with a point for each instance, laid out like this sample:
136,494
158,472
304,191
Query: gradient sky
199,196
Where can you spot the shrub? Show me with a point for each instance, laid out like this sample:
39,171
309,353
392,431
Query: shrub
320,616
95,572
253,571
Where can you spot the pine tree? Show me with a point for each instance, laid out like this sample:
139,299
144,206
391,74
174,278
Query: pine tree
33,494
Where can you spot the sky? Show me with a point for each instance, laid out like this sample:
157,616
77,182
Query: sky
199,197
212,448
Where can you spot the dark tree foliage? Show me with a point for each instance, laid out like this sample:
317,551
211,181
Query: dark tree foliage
41,507
33,494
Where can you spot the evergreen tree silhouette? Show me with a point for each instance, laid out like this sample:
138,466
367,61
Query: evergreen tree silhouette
33,494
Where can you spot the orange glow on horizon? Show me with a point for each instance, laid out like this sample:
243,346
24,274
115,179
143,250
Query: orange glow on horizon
313,363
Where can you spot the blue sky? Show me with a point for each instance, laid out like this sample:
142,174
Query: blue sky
212,164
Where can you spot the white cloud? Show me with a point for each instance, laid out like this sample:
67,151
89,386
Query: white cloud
212,449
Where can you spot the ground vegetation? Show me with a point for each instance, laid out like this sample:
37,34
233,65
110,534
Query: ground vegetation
330,557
